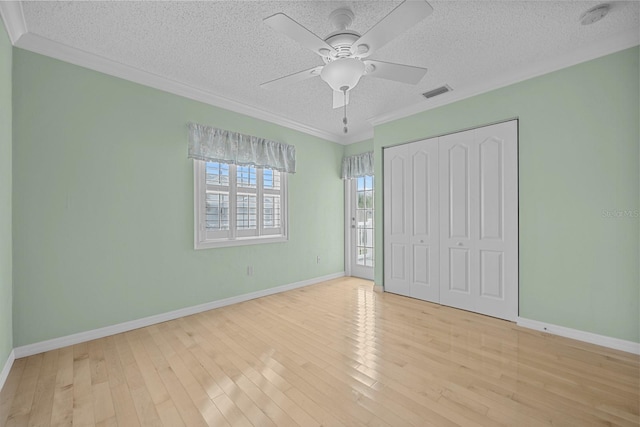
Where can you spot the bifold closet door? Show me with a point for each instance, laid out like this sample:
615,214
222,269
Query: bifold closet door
479,220
451,220
411,223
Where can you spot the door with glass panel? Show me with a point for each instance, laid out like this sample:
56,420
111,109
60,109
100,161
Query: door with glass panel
362,232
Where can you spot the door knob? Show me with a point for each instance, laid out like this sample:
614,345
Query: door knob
459,243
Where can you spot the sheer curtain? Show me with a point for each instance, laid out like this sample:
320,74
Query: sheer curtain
217,145
358,165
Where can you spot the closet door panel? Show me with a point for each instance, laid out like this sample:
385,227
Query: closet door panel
457,188
478,209
421,197
459,265
492,274
424,237
458,271
421,265
398,262
397,248
491,189
398,208
498,220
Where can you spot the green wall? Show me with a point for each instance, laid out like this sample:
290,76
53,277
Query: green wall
103,204
103,198
6,281
358,147
578,160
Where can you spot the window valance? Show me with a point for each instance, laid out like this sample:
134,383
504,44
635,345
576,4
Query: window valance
217,145
358,165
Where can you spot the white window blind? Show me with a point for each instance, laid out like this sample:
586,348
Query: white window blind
238,205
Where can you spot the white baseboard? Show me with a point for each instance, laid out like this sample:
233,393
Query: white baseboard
615,343
7,367
55,343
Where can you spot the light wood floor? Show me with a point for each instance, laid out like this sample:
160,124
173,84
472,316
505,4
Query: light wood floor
333,354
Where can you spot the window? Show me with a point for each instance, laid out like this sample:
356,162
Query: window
364,221
238,205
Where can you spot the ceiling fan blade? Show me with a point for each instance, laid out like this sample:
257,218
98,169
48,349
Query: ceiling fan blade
406,15
396,72
287,26
338,99
292,78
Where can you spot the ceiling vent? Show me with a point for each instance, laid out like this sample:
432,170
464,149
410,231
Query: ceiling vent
437,91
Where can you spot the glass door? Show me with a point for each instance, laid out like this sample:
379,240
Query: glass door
361,227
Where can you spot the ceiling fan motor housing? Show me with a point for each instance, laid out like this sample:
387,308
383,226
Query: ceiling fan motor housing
341,41
341,18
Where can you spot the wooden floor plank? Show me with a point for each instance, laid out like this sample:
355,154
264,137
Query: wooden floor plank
82,394
62,410
121,398
24,397
332,354
42,407
8,392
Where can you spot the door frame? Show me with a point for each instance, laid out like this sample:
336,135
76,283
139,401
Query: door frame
347,227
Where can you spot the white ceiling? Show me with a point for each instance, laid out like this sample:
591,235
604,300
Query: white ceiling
224,49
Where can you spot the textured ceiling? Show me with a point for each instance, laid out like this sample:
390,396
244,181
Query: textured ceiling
224,47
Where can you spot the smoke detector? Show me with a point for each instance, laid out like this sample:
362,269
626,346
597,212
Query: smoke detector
594,14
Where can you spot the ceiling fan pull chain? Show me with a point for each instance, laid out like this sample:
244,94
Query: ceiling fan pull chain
344,120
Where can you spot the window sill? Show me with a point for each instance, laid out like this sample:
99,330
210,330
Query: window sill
240,241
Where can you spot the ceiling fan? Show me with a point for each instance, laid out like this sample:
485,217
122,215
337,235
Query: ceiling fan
345,52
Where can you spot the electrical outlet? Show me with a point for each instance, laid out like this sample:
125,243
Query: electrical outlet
250,270
318,259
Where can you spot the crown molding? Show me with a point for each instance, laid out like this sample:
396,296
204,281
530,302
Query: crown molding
357,137
53,49
610,45
13,17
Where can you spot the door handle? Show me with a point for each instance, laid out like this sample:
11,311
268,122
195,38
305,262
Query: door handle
460,244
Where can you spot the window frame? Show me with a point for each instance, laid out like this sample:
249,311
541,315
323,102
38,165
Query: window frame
204,239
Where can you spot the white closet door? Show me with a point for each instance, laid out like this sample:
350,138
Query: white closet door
424,234
411,220
397,195
478,213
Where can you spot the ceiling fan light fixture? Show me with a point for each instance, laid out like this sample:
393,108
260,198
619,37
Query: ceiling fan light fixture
343,72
